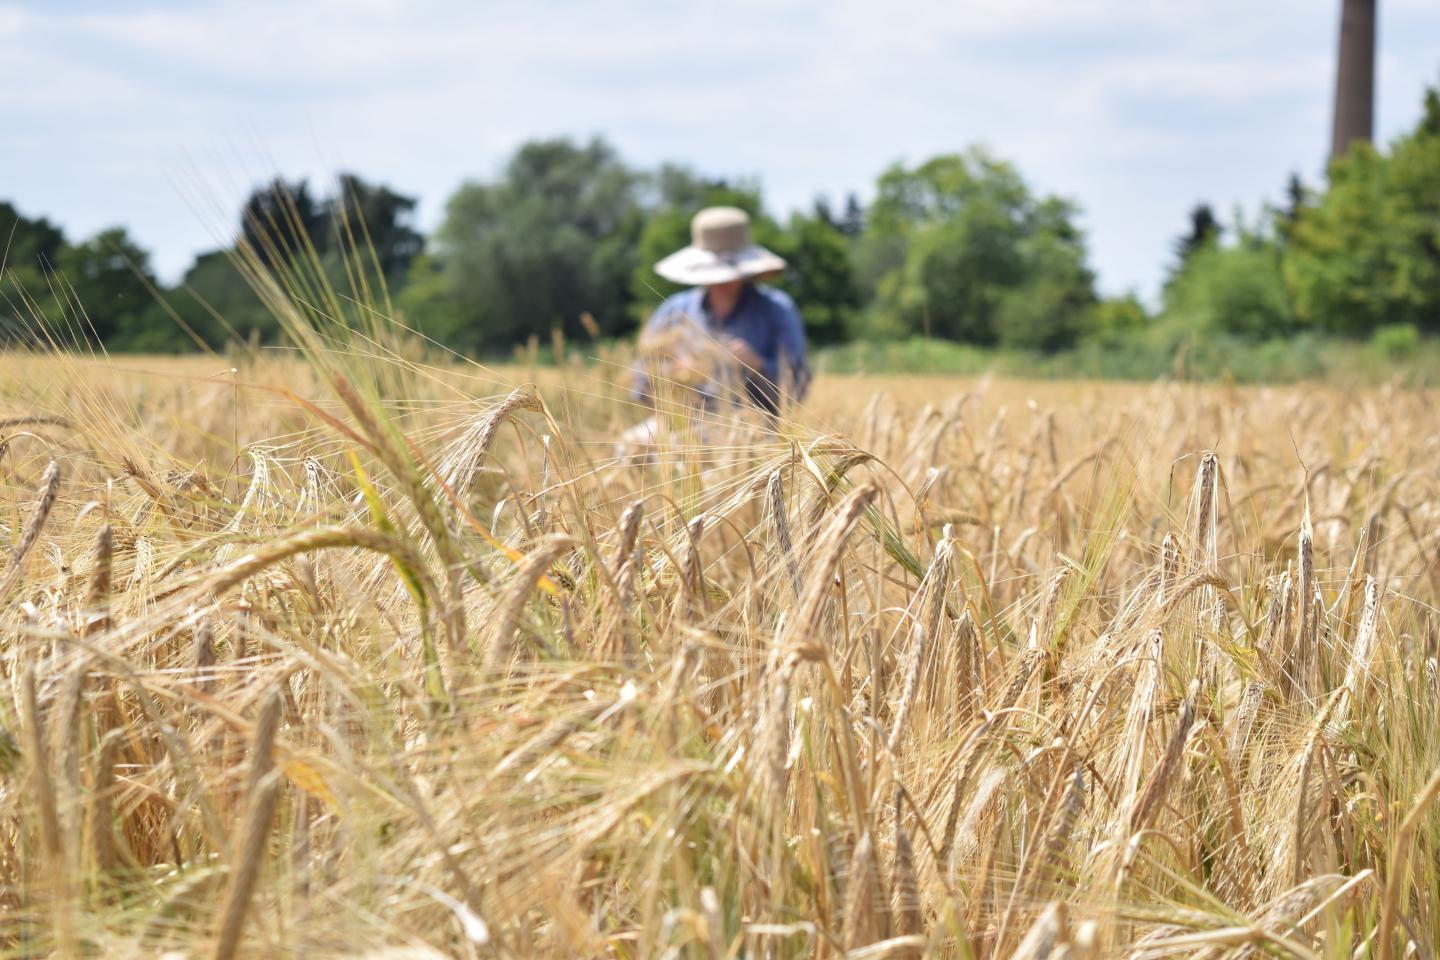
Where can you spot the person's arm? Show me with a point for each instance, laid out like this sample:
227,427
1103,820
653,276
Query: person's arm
792,345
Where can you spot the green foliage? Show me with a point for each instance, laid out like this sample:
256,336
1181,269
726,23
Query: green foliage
282,220
424,301
1051,305
820,277
959,248
1116,318
97,290
361,238
1396,341
554,237
113,284
1159,353
1367,253
215,301
103,289
377,222
28,244
1237,289
1297,198
29,250
1204,232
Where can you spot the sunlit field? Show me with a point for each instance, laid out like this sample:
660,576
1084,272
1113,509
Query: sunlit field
335,652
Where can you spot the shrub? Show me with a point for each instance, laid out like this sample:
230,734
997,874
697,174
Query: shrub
1396,341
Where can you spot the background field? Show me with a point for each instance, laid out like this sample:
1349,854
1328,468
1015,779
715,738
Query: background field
334,654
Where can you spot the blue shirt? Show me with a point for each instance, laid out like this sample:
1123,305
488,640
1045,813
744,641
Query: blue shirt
764,318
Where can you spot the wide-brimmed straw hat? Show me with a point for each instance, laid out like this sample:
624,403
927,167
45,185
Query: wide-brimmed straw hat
720,251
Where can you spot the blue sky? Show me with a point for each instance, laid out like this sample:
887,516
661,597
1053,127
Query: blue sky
160,115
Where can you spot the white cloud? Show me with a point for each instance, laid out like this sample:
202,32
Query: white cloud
12,20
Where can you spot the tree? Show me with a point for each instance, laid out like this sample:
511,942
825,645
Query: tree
1296,198
113,284
1367,252
26,243
1051,306
1236,289
1204,232
108,277
344,237
1117,318
280,219
554,237
959,248
216,301
819,276
1429,118
100,289
823,213
29,251
363,214
853,222
678,187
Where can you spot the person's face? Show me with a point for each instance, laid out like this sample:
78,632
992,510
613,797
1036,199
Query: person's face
725,292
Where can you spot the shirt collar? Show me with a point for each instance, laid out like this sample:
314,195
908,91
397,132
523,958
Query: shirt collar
746,293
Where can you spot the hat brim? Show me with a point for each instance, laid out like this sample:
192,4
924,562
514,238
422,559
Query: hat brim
696,267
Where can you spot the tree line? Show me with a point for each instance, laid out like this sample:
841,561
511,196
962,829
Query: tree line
958,247
1360,256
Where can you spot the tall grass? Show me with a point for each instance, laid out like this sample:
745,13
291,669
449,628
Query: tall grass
346,653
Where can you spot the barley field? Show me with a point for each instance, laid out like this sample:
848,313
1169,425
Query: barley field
349,652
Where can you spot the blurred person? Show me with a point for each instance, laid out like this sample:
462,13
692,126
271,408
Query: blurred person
728,335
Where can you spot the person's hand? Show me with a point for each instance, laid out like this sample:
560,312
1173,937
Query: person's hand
744,354
683,369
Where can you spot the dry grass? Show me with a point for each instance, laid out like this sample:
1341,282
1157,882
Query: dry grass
342,654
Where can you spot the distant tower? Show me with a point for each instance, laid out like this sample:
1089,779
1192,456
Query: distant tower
1355,77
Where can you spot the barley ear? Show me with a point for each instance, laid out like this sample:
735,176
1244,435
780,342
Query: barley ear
1163,776
262,794
245,869
905,885
914,661
44,502
866,916
100,816
267,725
775,504
97,601
1049,935
204,645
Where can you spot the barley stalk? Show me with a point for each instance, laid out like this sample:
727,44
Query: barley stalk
52,842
